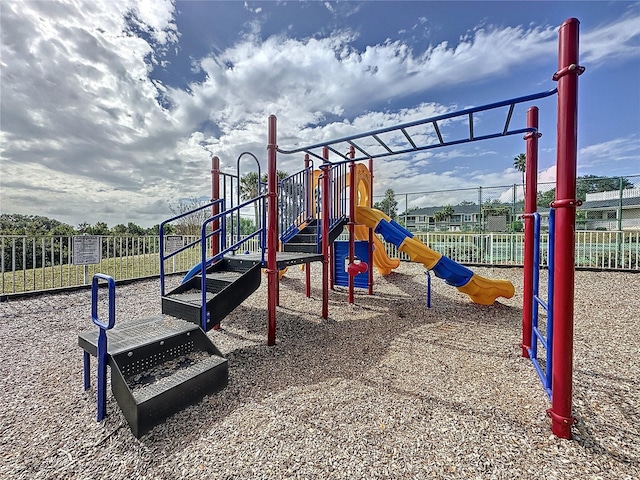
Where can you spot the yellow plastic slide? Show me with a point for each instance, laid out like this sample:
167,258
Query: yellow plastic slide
482,290
381,260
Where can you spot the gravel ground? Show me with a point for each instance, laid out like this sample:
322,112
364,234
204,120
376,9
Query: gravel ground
385,388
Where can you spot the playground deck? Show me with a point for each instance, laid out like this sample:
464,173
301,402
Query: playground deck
382,389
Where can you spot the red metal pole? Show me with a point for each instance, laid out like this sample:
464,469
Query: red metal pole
215,209
352,217
308,200
272,232
371,230
326,206
530,206
565,203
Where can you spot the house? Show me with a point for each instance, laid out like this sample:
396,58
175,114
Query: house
611,210
464,218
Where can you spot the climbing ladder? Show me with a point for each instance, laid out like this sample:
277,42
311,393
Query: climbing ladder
538,337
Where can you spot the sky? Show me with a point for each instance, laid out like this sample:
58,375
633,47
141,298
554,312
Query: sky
110,110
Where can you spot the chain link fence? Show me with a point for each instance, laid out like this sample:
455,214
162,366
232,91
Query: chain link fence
480,225
608,204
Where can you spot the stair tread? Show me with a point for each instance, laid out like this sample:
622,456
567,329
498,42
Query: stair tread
178,377
130,335
226,275
193,296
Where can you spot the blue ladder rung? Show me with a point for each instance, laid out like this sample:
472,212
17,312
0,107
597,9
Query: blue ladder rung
543,377
541,302
540,337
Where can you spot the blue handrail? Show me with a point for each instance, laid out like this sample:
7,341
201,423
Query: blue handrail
205,262
101,352
164,257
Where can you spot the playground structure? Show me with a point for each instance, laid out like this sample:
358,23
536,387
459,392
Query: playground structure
302,215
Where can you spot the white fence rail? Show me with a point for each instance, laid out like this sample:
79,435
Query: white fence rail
43,263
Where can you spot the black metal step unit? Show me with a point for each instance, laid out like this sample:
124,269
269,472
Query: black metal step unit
159,365
228,283
306,240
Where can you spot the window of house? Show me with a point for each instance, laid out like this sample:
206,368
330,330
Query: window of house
468,217
612,215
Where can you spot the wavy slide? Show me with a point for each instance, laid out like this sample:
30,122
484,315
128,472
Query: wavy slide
483,291
381,260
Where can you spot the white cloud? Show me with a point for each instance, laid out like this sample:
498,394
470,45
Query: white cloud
608,43
79,106
625,149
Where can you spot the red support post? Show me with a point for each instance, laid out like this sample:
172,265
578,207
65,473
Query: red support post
530,207
352,218
272,232
215,209
371,230
309,202
565,203
326,207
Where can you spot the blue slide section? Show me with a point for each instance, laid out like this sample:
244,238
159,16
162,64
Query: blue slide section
452,272
401,228
391,233
195,270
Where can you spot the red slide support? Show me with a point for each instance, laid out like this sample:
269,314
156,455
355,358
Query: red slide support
530,206
352,216
326,212
272,232
565,204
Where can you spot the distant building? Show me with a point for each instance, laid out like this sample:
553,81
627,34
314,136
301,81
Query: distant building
464,218
606,210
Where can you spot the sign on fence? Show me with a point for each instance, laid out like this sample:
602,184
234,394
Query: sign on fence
87,250
173,243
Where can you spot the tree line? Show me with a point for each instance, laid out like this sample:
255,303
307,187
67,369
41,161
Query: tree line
37,225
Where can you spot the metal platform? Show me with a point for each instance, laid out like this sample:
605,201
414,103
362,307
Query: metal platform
128,336
285,259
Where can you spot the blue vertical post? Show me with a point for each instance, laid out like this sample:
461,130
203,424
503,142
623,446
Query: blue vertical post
428,274
87,373
102,338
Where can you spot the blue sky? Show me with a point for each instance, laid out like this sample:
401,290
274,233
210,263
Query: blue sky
110,109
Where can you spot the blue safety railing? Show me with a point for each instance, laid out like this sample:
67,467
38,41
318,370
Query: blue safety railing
164,257
545,339
295,202
206,262
260,189
339,194
101,349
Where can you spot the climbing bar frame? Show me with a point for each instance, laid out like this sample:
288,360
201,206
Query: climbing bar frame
373,137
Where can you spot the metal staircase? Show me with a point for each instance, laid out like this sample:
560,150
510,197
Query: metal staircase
159,365
228,283
308,239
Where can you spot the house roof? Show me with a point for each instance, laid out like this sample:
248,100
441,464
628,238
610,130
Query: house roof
632,202
458,209
431,211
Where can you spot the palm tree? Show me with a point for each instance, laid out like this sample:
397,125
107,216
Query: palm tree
447,211
520,164
249,189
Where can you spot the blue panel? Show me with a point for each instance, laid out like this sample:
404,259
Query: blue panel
390,233
402,229
341,256
452,272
